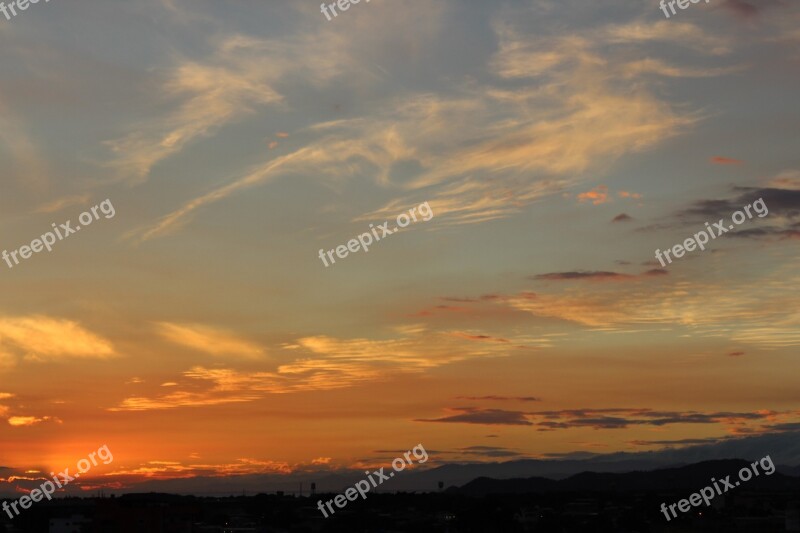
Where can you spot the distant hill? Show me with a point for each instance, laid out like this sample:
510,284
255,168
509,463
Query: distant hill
690,478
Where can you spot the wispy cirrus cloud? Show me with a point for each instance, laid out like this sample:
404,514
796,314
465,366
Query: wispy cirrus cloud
40,338
233,83
60,203
214,341
535,139
323,363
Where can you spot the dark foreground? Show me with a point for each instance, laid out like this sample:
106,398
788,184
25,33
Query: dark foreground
561,512
588,502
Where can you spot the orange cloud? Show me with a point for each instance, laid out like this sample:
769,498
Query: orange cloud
787,180
329,363
210,340
598,195
626,194
28,420
726,161
41,338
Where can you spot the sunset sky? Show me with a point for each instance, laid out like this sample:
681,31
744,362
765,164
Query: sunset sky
558,143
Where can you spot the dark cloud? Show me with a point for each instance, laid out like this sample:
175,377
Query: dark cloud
489,451
622,217
735,354
789,426
471,337
783,206
780,202
609,418
749,9
483,416
757,233
597,275
501,398
483,298
619,418
679,442
591,275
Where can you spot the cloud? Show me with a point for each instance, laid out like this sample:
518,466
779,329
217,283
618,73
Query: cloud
679,33
679,442
622,217
61,203
487,451
582,275
474,337
19,421
707,308
210,340
628,194
620,418
534,139
17,140
43,338
469,415
595,275
231,83
658,67
783,206
787,180
781,199
781,202
741,8
501,398
324,363
605,418
726,161
750,10
598,195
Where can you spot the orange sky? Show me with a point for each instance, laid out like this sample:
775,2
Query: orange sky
197,332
